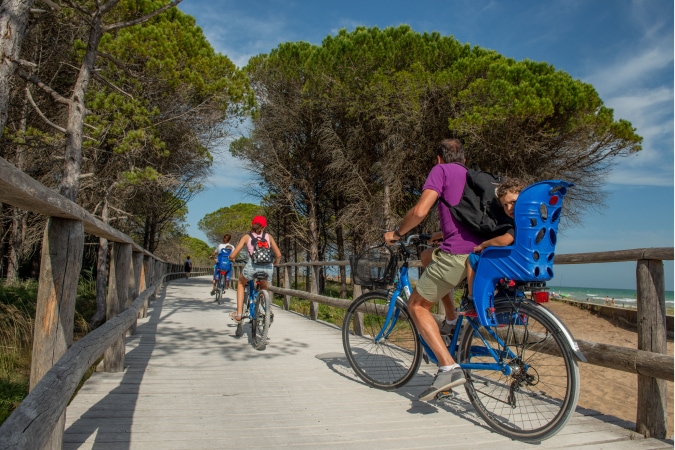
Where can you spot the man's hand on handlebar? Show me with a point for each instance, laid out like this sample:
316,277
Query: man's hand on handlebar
390,237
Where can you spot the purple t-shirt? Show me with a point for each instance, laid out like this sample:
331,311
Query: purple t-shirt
448,181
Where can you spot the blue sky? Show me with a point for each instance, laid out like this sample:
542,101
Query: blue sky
623,48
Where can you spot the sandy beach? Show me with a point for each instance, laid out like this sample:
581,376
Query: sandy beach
611,392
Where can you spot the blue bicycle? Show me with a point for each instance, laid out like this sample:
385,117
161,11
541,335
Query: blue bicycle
519,359
257,308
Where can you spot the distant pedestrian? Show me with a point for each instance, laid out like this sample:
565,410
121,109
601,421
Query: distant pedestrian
613,302
606,300
187,267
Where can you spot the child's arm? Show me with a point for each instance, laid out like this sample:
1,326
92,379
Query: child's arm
243,241
499,241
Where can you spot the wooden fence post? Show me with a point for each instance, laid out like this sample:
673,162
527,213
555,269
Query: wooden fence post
118,291
358,316
61,261
135,283
146,283
287,285
314,289
652,408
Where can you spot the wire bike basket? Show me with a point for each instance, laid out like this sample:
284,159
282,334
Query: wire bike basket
375,267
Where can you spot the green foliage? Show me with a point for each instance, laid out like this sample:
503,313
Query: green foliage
234,220
196,248
345,132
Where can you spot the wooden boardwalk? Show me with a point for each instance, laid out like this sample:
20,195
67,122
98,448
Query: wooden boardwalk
189,383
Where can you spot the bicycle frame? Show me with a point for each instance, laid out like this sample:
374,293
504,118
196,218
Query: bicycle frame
404,287
253,286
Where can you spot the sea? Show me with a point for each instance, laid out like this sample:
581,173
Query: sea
624,298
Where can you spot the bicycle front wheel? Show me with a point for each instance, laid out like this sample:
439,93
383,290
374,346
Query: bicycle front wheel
537,392
261,323
385,354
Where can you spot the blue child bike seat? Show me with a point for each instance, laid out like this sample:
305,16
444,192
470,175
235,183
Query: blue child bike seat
530,258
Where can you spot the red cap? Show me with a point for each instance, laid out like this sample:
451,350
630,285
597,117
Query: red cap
259,219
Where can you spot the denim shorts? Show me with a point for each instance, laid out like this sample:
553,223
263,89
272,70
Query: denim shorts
250,269
441,276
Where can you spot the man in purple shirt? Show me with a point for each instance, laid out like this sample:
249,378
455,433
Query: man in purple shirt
448,266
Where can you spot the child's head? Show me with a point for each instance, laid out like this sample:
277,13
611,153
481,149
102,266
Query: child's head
226,238
508,192
258,223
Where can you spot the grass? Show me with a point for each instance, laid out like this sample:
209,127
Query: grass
17,317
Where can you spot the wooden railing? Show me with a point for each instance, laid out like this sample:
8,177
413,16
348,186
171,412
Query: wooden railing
650,361
135,274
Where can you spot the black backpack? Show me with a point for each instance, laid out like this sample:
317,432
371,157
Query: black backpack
479,209
262,252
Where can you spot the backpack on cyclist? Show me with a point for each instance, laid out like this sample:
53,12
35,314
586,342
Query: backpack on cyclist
224,262
262,252
479,209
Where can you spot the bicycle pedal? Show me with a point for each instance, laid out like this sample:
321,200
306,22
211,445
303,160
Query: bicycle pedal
446,395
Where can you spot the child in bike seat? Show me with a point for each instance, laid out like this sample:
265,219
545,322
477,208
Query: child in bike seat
226,247
507,194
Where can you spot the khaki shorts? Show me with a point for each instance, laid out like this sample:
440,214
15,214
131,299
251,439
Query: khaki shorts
441,276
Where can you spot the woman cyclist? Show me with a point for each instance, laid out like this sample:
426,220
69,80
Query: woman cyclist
263,241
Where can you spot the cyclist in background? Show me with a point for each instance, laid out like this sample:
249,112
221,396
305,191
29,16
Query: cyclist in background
221,254
447,269
260,246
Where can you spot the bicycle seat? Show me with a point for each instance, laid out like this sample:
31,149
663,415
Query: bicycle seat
260,275
530,258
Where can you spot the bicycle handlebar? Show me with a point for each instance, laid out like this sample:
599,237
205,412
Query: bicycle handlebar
412,240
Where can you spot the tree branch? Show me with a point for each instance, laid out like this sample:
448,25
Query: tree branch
37,110
111,86
36,81
115,26
120,65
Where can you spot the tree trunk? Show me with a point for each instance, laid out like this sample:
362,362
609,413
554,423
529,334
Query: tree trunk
101,271
386,206
18,234
340,243
16,239
13,20
101,282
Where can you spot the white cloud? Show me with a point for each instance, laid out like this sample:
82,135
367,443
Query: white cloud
634,69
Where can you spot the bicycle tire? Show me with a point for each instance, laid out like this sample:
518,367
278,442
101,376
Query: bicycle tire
395,359
537,399
261,324
218,293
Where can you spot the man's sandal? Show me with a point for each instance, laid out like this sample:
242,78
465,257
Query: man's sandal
234,315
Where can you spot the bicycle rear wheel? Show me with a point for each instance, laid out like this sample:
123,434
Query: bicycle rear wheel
392,360
261,324
219,291
538,397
